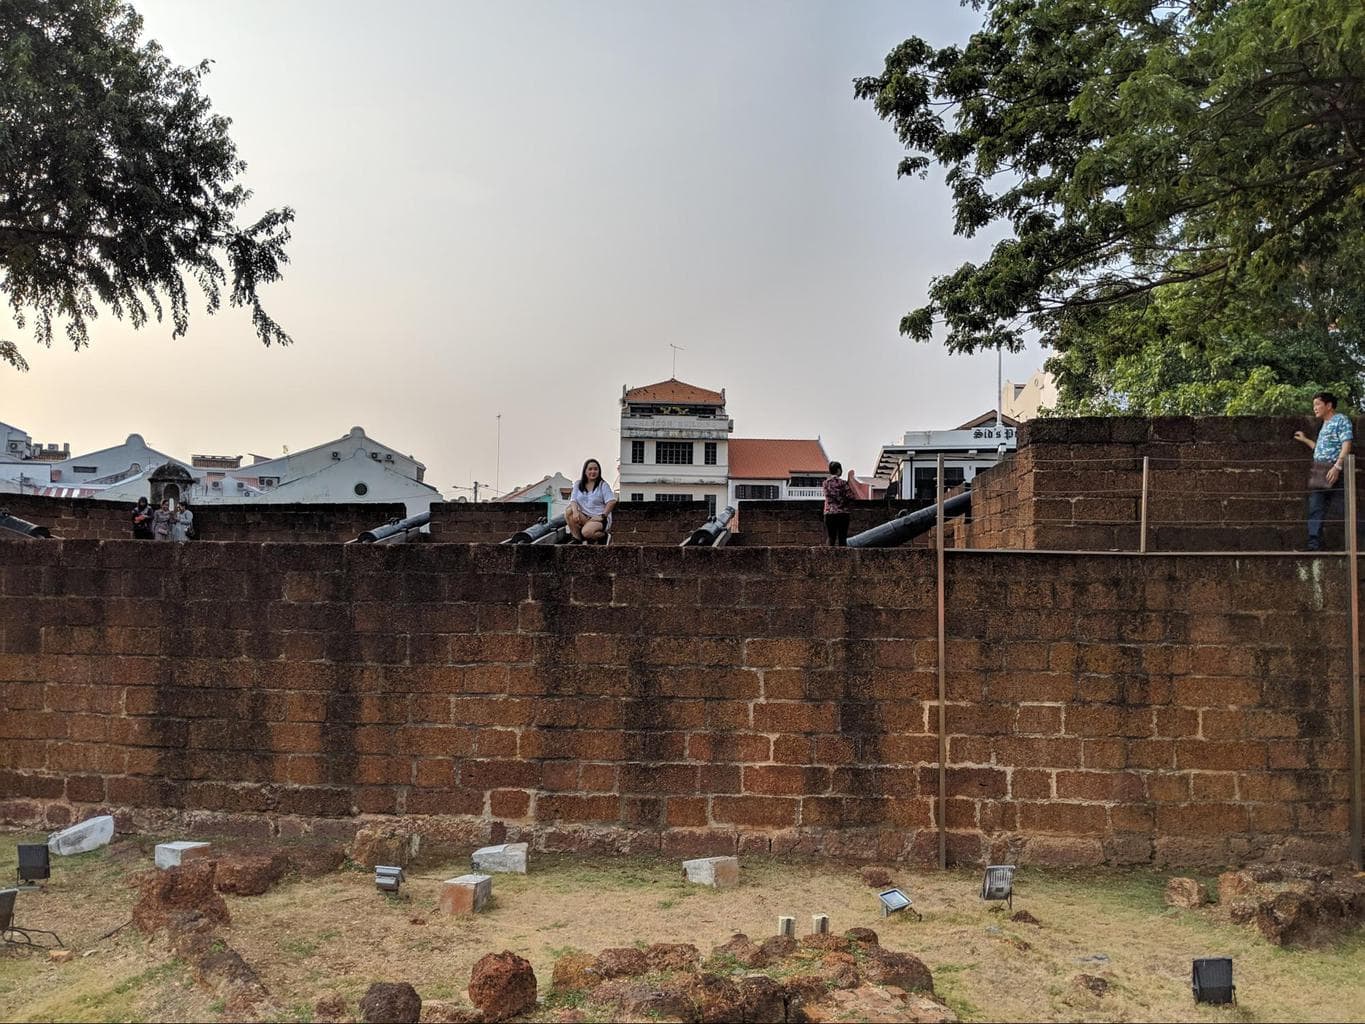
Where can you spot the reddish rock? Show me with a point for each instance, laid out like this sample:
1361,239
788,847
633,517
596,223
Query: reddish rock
391,1002
637,1000
742,949
384,844
502,985
673,956
575,972
1185,893
1243,911
861,936
717,1000
761,1000
163,894
1024,917
877,878
887,967
873,1005
621,962
827,941
1233,885
839,970
775,947
330,1008
249,874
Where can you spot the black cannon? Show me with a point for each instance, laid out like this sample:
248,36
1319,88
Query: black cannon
542,531
22,526
395,531
713,533
909,525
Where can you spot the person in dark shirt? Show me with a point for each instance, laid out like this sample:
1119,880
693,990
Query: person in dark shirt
838,503
142,520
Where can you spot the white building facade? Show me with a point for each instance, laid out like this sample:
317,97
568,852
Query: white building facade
674,444
966,450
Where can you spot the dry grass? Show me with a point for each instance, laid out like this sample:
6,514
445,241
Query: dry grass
337,934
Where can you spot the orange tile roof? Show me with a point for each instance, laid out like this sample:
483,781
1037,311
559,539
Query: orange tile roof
753,458
674,390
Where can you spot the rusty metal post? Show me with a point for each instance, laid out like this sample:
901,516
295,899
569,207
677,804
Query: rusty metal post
1353,577
942,685
1142,535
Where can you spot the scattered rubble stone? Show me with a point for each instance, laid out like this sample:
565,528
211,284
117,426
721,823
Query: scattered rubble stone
717,999
762,1000
904,971
742,949
825,941
877,878
839,970
1294,904
502,985
224,971
507,857
1243,911
1024,917
172,855
391,1002
873,1005
249,874
717,872
163,894
1233,885
1185,893
1091,983
673,956
467,894
621,962
774,947
575,972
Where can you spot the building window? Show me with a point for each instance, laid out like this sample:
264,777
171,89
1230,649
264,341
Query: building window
710,455
710,504
85,469
756,492
673,453
674,498
637,451
807,481
637,496
925,487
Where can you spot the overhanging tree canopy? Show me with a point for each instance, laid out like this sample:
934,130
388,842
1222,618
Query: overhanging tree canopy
117,180
1170,173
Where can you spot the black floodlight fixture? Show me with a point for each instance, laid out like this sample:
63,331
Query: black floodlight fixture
998,883
895,900
35,863
1212,980
10,933
387,878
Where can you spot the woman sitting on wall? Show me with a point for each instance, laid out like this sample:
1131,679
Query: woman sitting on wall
588,516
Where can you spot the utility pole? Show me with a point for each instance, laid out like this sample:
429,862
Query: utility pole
497,473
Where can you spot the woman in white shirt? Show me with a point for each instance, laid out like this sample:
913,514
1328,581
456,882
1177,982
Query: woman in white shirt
589,513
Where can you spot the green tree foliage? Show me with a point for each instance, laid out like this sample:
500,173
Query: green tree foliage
1182,185
117,180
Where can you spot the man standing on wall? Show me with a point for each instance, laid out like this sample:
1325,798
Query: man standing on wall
1329,457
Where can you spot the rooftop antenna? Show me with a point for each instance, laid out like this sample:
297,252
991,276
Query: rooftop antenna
497,474
676,349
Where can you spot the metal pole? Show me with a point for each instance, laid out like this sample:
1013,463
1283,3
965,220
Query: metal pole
1353,575
942,688
1142,536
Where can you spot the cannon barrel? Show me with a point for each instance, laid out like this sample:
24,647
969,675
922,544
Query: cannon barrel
22,526
713,533
395,531
542,531
906,527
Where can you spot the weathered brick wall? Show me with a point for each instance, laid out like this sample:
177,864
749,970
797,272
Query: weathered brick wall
1176,709
633,523
1215,484
802,523
92,519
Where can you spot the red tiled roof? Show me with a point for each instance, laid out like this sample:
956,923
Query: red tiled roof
674,390
753,458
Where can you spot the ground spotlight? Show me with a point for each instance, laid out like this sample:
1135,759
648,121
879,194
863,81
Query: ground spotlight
894,900
35,863
998,883
1212,980
387,878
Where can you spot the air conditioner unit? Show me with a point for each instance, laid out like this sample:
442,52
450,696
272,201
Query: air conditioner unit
389,457
375,456
336,456
217,485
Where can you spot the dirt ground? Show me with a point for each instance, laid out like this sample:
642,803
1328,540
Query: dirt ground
337,934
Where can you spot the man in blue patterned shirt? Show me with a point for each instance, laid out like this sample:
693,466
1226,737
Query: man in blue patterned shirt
1329,457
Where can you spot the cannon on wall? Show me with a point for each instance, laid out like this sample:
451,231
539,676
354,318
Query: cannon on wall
713,533
22,526
395,531
909,525
552,531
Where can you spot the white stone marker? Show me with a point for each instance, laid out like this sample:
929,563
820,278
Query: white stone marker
717,872
172,855
88,835
819,924
786,926
509,857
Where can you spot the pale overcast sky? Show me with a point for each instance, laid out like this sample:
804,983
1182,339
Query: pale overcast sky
515,208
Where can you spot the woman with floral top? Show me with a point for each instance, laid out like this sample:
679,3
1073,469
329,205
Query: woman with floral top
838,503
